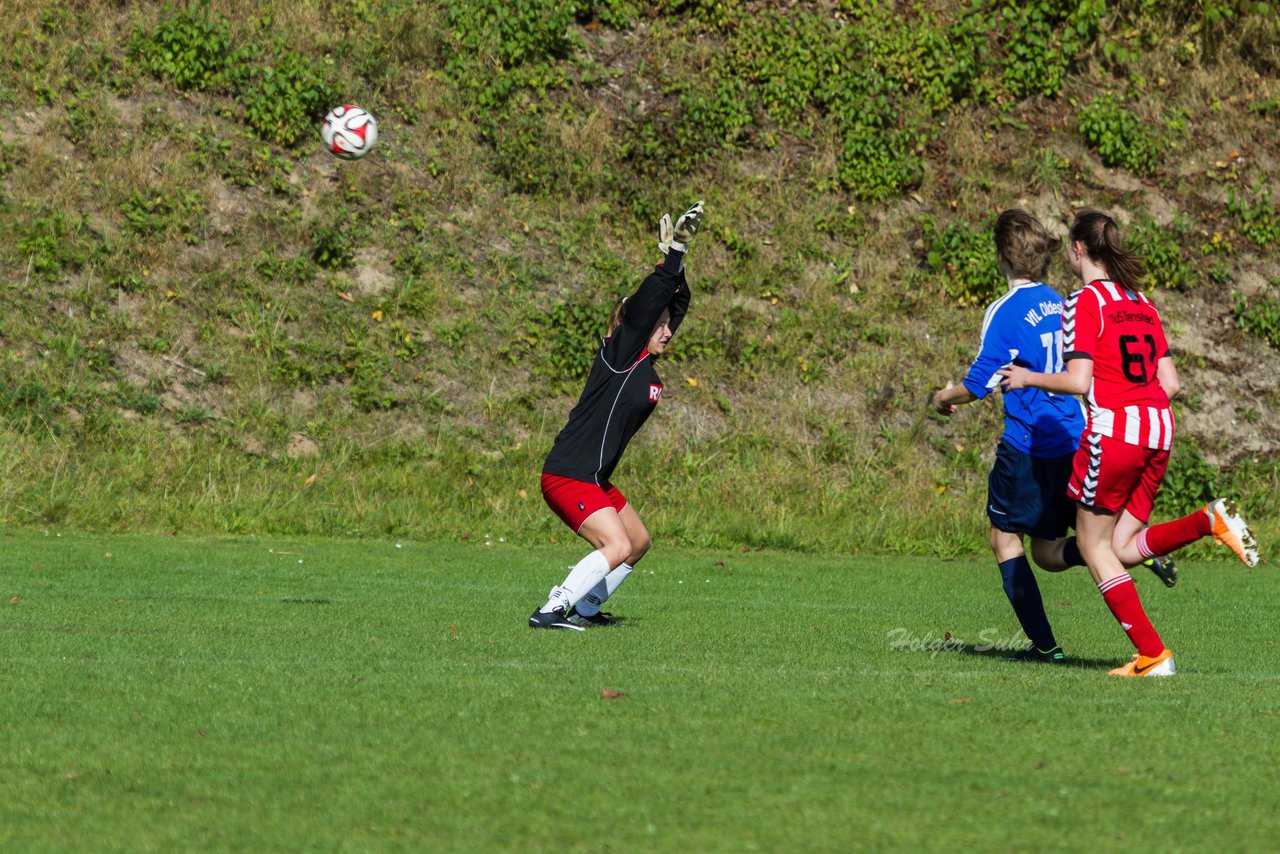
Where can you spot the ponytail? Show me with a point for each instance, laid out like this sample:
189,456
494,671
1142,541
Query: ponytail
616,315
1101,238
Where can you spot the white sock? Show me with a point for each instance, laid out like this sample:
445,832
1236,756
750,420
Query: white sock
586,574
589,605
614,579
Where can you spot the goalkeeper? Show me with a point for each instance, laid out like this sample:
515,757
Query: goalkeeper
621,393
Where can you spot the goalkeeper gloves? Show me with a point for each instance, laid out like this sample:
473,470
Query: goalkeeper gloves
666,234
686,227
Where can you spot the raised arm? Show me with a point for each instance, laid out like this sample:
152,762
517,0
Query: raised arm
665,289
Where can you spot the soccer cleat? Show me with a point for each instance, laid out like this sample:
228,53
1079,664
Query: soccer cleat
1164,569
1161,665
1230,530
599,618
555,619
1047,656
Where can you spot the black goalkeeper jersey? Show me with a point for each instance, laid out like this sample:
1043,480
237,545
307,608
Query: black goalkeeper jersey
623,387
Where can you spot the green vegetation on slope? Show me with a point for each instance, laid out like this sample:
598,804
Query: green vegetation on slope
214,326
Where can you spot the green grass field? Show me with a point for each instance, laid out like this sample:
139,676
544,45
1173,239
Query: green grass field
271,694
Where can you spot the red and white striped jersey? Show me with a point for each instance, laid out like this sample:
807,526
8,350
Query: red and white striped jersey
1120,330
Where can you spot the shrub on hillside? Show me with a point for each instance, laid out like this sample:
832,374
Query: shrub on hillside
1259,219
49,243
510,32
878,161
967,256
562,342
1120,137
191,48
1260,317
282,93
1190,480
285,101
1046,37
1160,249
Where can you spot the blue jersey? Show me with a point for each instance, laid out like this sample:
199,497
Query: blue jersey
1024,327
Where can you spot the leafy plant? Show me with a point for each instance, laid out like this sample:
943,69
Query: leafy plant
918,55
1047,36
878,161
497,49
511,32
968,258
50,242
1161,253
1260,317
1120,137
371,387
563,342
284,101
711,118
139,399
334,247
1190,481
190,48
1259,220
179,213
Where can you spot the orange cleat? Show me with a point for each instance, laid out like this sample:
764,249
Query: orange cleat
1161,665
1230,530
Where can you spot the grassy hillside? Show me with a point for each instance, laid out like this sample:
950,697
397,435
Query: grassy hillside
215,326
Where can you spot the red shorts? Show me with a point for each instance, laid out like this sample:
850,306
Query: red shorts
575,500
1111,475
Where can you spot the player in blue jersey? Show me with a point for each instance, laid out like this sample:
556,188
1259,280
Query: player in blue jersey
1027,485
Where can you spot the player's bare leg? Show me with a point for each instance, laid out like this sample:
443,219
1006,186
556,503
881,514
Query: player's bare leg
588,608
604,530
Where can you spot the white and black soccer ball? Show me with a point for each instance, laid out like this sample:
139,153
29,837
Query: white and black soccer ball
349,132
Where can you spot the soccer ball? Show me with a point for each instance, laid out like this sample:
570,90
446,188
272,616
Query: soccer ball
349,132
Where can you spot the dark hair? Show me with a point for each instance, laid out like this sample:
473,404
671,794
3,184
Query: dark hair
1101,238
1023,244
615,316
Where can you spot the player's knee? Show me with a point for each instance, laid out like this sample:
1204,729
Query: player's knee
639,545
993,540
617,550
1047,555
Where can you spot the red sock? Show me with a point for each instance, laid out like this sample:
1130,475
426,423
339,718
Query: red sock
1122,598
1170,536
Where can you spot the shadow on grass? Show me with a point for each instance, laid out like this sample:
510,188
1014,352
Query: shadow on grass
1072,661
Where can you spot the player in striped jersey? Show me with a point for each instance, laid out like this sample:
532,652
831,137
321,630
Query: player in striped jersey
622,390
1116,355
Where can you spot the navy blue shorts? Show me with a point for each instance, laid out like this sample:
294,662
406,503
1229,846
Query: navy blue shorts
1028,495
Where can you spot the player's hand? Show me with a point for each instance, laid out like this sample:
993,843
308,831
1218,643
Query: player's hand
686,227
1014,377
939,406
666,234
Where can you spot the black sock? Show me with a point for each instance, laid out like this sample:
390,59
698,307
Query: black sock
1024,595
